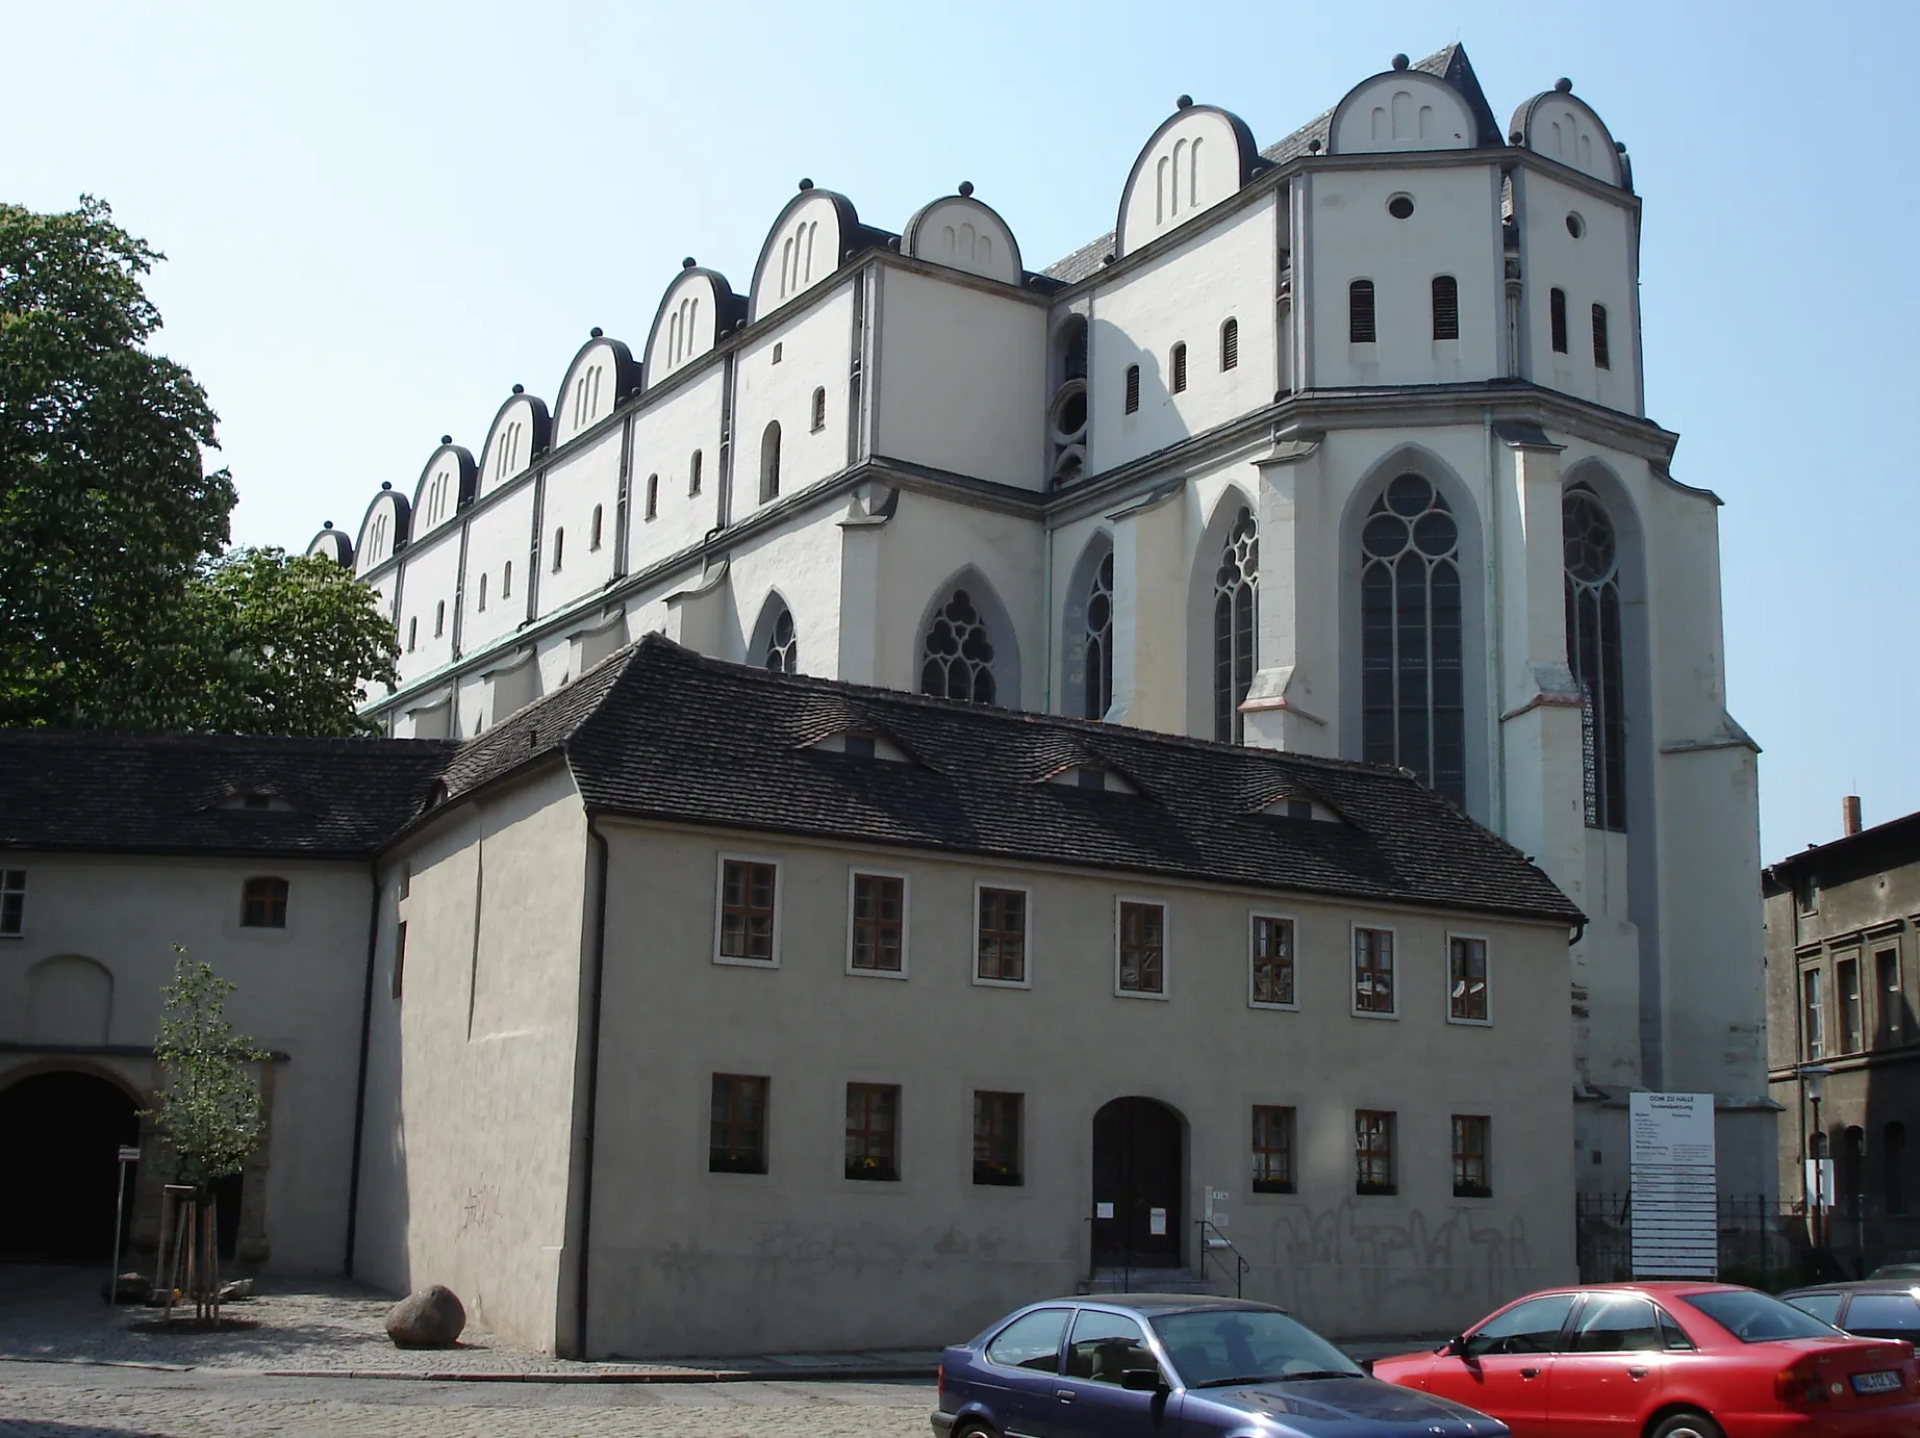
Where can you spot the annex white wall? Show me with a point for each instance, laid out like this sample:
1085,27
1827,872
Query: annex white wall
1597,267
805,568
1454,230
430,580
962,379
582,481
1223,270
667,431
817,345
499,557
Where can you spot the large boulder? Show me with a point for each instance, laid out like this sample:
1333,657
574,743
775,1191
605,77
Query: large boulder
431,1318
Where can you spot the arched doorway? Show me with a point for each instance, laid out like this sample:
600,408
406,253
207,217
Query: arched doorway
62,1133
1137,1184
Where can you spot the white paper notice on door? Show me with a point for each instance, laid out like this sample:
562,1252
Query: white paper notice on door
1157,1222
1103,1210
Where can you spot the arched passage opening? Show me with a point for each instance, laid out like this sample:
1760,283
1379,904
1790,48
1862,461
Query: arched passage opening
63,1135
1139,1163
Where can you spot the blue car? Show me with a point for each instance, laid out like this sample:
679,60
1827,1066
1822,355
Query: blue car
1172,1365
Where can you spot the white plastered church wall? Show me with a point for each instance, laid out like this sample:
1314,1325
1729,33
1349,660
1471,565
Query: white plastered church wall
1401,110
1192,164
962,379
509,448
499,536
667,431
430,574
963,234
802,251
1596,268
815,340
803,568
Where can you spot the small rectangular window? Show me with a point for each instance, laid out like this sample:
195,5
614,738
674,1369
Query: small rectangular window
996,1139
653,496
1471,1176
1142,959
1272,1149
13,903
1001,941
1602,350
1133,388
1179,368
399,957
1373,971
1446,308
1846,983
693,474
1230,344
1373,1151
1810,1007
738,1129
263,904
747,912
1466,979
873,1132
1891,1001
506,580
1557,319
1360,327
879,923
1271,956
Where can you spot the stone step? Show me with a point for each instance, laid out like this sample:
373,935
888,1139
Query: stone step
1150,1280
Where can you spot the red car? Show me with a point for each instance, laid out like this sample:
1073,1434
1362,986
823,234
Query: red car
1670,1360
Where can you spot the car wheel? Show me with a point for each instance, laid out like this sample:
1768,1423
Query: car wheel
974,1429
1687,1424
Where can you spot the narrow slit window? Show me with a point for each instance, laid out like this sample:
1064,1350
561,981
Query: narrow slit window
819,410
559,548
1230,345
1179,359
1446,308
483,594
770,462
1133,389
1602,348
653,496
413,632
1557,319
506,580
593,534
1360,326
693,474
439,618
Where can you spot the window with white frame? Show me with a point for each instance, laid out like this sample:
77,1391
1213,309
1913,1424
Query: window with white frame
13,903
1000,940
1467,979
877,924
747,928
1141,950
1373,991
1270,960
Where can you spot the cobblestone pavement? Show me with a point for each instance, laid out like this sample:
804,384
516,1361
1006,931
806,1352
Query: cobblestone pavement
54,1400
303,1325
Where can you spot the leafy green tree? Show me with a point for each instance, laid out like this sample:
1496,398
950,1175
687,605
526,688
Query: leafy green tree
209,1109
119,604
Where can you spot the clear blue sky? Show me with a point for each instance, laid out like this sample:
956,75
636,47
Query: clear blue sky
380,217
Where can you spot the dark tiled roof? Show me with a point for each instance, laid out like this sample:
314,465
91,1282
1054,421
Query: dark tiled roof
1449,64
660,732
157,793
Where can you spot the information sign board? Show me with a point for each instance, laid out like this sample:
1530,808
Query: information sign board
1675,1186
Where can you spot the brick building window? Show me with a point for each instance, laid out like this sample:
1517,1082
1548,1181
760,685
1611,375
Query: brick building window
738,1134
1471,1175
873,1132
1846,984
996,1139
1373,1152
878,941
1272,1149
263,904
1810,1014
747,910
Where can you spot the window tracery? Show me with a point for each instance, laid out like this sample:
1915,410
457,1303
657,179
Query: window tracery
1412,685
957,654
783,645
1594,654
1097,686
1234,589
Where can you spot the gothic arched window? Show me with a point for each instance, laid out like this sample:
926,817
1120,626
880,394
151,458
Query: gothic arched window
1234,587
783,645
1412,685
957,657
1097,687
1594,654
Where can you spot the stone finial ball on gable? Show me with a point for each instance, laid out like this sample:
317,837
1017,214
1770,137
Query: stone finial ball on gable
519,389
1400,62
966,189
327,524
687,263
805,185
595,333
1183,102
1563,86
386,484
446,439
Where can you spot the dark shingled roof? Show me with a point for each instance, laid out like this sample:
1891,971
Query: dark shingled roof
161,793
662,733
1450,64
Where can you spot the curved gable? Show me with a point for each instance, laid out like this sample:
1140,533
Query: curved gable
1563,127
1196,159
334,544
601,374
445,488
1401,110
964,234
521,429
695,314
803,247
384,530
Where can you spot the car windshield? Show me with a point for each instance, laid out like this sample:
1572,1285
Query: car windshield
1247,1345
1755,1318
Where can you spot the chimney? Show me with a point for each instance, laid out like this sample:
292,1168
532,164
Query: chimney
1850,814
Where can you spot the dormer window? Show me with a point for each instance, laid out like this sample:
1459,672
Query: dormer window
256,801
864,744
1300,806
1092,776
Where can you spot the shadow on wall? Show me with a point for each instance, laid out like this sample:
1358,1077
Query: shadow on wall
1130,395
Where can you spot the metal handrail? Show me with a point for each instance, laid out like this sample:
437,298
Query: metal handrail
1209,1251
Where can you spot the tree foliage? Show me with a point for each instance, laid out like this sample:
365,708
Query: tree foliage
209,1109
118,606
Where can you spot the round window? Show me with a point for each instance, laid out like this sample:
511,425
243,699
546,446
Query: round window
1575,225
1400,206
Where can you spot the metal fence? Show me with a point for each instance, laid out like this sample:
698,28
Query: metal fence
1764,1243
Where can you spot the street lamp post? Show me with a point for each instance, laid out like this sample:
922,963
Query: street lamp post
1814,1077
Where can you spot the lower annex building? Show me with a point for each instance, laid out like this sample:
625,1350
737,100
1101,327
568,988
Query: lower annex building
700,1008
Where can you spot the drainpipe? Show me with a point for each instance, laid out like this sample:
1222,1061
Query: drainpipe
583,1265
1496,621
360,1081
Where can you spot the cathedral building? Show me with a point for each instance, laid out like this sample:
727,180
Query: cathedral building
1336,446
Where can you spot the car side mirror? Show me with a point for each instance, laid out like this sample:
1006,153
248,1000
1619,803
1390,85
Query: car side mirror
1142,1380
1457,1346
